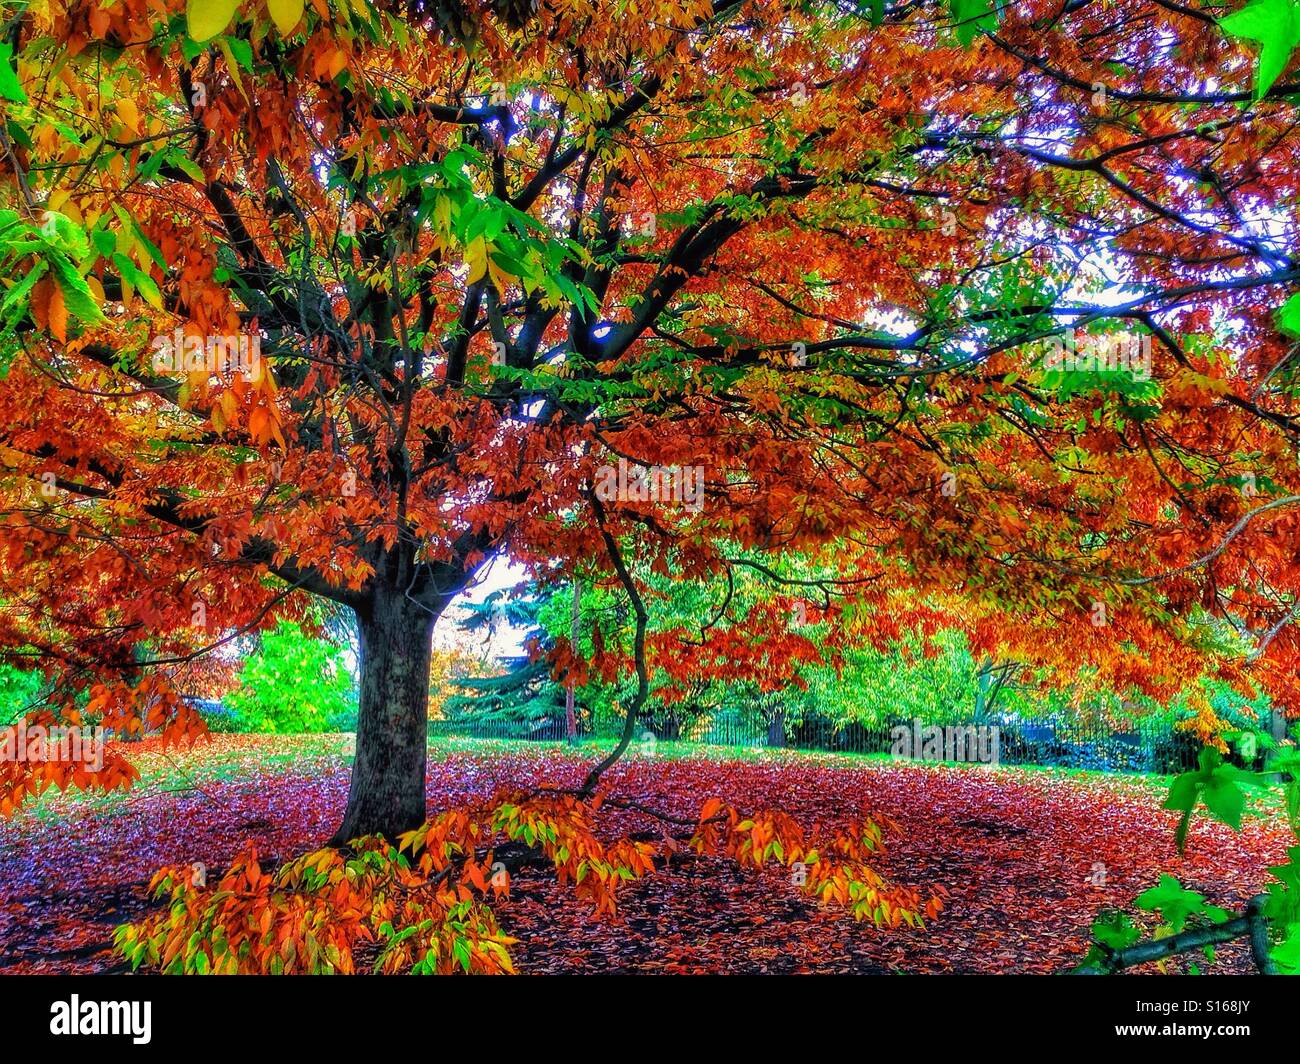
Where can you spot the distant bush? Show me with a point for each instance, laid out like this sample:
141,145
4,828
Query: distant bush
218,716
292,683
19,690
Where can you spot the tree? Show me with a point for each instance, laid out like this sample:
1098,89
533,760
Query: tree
448,668
743,646
987,309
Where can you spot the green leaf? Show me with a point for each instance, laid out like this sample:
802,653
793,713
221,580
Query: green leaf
16,296
1287,955
60,231
105,243
190,168
240,50
139,279
1288,315
149,246
205,19
1174,903
971,16
1115,930
1183,792
1274,23
10,88
1225,801
192,49
76,293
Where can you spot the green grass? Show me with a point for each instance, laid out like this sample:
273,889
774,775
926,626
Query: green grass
235,758
686,751
176,771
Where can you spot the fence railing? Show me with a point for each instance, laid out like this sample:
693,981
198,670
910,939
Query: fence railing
1142,746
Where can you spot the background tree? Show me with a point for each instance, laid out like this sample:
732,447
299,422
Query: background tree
292,682
522,690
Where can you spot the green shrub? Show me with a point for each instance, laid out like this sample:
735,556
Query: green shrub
293,683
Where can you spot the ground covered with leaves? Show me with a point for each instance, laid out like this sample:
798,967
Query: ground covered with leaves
1028,857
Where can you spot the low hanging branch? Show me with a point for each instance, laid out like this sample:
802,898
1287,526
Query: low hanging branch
1252,924
427,906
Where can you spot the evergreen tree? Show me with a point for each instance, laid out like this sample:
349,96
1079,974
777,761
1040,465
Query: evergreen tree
524,692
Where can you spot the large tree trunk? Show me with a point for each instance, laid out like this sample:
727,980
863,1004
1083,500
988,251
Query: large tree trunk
388,776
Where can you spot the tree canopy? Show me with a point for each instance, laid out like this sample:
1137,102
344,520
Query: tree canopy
986,313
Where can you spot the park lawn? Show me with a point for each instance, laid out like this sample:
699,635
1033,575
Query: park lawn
1028,857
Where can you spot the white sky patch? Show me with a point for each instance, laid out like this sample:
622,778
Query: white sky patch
501,573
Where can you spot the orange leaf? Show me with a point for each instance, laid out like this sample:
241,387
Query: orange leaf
58,312
40,302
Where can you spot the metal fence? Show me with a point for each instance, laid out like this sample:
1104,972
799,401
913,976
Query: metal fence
1151,745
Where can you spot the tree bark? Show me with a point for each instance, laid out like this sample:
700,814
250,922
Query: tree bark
388,777
776,730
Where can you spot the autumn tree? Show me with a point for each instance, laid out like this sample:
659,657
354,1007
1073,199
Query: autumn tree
979,308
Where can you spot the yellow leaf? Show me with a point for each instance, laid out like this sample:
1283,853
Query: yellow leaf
233,67
129,114
286,14
207,18
476,259
442,213
499,277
